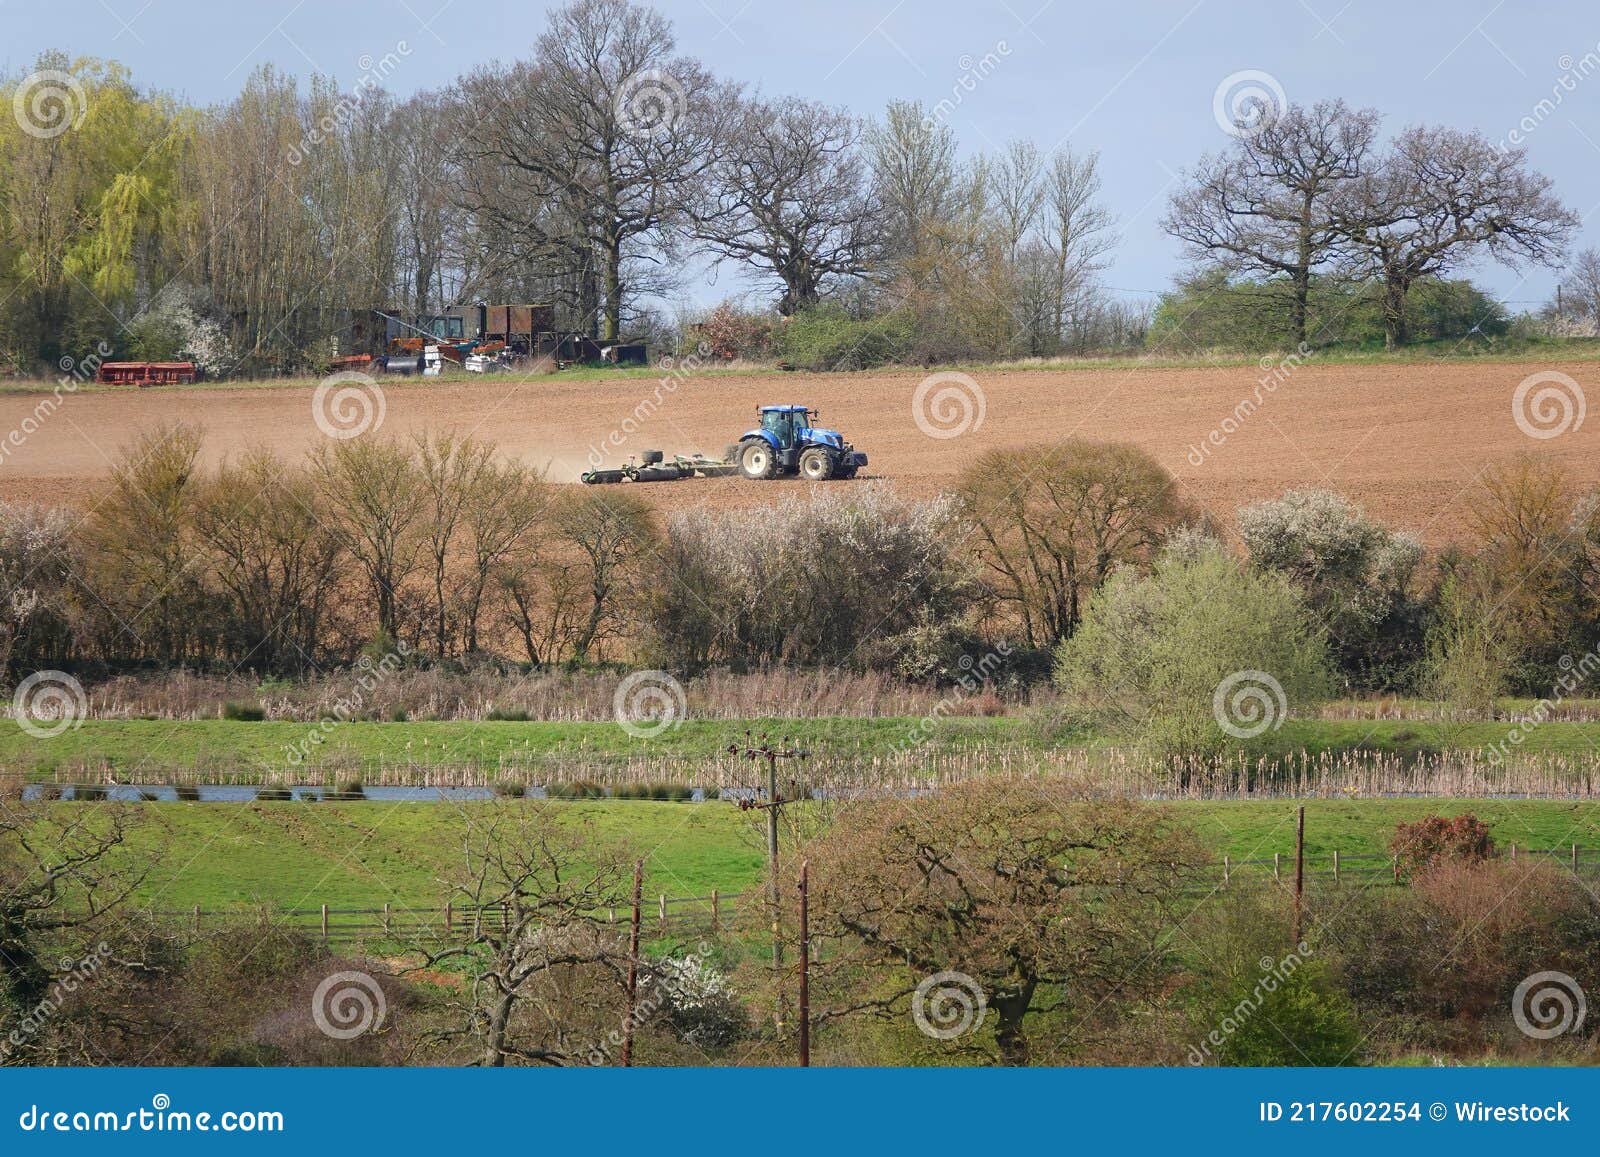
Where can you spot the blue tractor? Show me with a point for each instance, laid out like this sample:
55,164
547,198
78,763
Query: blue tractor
787,442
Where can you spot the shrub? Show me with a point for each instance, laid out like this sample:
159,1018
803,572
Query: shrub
90,792
273,795
1355,576
506,790
808,582
1301,1020
507,715
1435,839
243,712
350,789
187,792
702,1007
825,337
1172,657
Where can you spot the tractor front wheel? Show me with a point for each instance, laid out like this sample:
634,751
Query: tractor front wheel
757,461
816,465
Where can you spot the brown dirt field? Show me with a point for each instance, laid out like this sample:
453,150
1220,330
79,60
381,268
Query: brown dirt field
1407,441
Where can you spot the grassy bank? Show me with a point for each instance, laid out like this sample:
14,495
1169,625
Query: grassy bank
290,855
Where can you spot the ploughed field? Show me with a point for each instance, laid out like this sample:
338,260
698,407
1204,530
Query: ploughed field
1408,441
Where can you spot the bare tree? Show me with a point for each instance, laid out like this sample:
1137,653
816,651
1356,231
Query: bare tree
377,501
420,133
1442,197
545,970
1017,189
1052,523
915,172
590,152
262,528
610,537
1581,286
1269,207
64,874
789,195
1077,233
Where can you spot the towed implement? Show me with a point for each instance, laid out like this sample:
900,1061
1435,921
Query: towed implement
653,467
786,442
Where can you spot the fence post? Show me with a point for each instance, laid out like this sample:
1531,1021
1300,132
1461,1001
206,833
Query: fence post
1395,864
1227,868
663,911
716,910
1513,851
449,917
1275,874
324,923
1335,865
386,917
1574,859
197,907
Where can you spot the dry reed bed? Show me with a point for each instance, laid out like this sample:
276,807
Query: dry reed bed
1115,772
545,696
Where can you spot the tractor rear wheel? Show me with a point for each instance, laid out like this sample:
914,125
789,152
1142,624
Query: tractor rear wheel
757,461
816,465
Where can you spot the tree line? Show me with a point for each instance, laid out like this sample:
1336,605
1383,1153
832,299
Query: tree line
248,234
1095,567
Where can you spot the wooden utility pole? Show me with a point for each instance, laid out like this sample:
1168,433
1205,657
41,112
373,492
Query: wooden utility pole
774,802
633,965
1299,872
805,964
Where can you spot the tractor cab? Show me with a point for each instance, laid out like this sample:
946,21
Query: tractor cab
787,442
786,424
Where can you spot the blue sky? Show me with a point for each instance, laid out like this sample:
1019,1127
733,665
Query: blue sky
1134,79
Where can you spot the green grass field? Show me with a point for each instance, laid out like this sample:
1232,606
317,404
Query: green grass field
141,749
362,855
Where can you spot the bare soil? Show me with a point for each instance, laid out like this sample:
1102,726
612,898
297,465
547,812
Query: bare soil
1407,441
